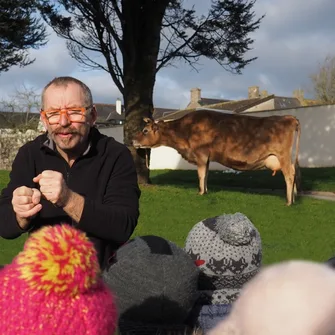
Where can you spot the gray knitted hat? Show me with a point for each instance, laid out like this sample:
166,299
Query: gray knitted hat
228,251
155,283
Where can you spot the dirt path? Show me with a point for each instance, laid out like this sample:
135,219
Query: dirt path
330,196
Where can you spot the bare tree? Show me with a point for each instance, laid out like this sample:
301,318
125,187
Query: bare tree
324,81
9,105
27,99
137,38
23,102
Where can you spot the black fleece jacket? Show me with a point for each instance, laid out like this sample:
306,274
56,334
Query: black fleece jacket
105,176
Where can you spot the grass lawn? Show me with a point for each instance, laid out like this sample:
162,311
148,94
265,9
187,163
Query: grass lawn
170,207
316,179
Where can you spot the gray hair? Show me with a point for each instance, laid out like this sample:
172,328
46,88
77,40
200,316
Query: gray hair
64,81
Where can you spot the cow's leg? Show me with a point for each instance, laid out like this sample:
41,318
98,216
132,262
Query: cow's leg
297,178
206,175
202,178
203,165
289,175
295,190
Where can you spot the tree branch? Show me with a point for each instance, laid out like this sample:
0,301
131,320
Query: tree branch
324,81
114,69
177,52
118,12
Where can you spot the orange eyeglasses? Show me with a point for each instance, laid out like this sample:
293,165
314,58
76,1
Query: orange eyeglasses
75,114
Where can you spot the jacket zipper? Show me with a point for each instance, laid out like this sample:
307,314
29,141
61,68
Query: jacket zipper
67,183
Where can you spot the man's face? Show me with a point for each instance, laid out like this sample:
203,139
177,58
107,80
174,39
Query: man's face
68,136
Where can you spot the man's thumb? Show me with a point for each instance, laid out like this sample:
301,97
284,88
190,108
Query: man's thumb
37,178
36,197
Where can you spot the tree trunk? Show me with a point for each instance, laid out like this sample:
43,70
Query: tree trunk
141,30
133,124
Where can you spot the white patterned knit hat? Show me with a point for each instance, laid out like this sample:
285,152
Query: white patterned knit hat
228,251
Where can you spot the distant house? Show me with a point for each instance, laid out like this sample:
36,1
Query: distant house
198,101
110,114
257,101
113,115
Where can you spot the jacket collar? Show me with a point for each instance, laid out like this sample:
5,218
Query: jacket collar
48,143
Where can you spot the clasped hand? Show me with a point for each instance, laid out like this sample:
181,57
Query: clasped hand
53,187
26,201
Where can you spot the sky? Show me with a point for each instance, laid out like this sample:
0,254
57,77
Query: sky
293,39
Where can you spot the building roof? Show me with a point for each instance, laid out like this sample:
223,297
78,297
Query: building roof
237,106
108,112
161,112
286,102
178,114
254,102
208,101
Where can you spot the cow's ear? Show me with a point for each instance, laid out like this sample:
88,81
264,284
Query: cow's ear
155,126
147,120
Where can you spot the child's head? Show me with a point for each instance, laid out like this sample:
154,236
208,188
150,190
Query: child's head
54,287
155,282
228,251
291,298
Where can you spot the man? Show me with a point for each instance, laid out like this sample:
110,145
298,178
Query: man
72,174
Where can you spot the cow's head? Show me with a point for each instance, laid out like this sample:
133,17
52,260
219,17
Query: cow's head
149,136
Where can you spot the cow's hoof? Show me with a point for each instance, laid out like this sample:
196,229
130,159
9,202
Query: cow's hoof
288,204
202,193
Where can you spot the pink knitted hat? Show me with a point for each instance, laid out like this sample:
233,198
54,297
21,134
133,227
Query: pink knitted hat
53,287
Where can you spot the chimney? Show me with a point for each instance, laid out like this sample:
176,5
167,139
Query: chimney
264,93
118,106
299,94
195,95
253,92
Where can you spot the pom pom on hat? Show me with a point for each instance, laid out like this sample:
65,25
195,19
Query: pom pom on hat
234,229
59,260
54,287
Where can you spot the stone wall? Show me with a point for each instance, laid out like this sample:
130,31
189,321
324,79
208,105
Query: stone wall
10,142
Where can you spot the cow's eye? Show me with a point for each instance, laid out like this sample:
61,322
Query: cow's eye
145,131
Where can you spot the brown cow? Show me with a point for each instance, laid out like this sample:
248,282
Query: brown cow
240,142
